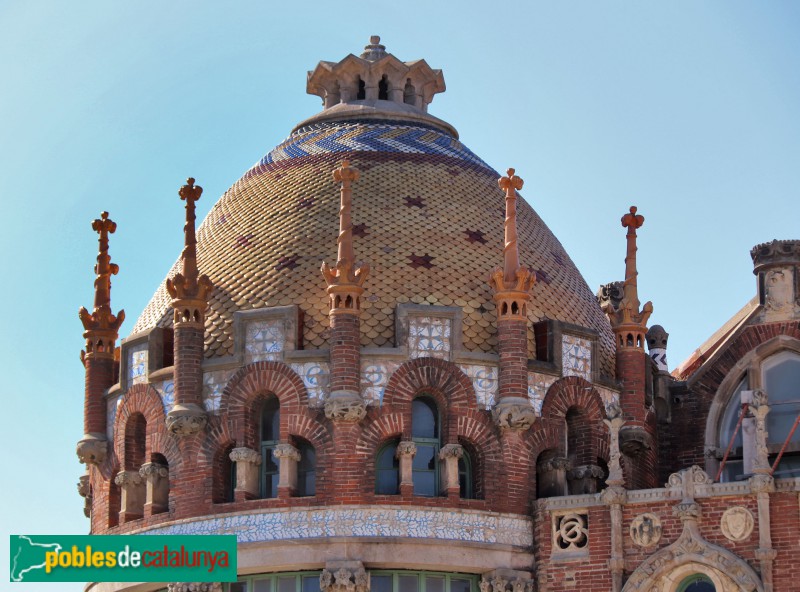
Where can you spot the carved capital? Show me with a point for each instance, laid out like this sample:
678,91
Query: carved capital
345,406
406,449
153,470
245,455
634,440
92,449
195,587
766,554
128,479
557,463
186,420
83,485
614,494
586,472
451,451
286,451
687,510
514,413
344,580
762,483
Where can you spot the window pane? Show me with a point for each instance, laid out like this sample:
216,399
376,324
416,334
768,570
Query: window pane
311,584
270,420
730,419
306,484
386,459
425,458
434,584
238,587
262,586
782,384
408,583
459,585
424,419
287,584
425,483
386,481
380,583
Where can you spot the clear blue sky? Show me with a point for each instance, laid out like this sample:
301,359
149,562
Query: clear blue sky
688,109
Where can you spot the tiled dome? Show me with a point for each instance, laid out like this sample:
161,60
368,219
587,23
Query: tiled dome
428,218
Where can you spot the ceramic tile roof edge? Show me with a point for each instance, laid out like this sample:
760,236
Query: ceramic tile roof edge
690,367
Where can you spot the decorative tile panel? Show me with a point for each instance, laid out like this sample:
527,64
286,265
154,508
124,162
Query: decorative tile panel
608,396
213,385
111,415
440,524
484,381
429,336
537,389
374,378
316,376
264,340
137,364
576,357
166,390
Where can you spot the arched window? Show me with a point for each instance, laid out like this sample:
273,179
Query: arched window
383,88
306,470
734,466
387,470
409,93
362,90
425,434
697,583
466,485
270,437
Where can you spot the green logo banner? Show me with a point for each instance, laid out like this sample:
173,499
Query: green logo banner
123,558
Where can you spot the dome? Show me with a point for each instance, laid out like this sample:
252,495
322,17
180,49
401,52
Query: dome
428,219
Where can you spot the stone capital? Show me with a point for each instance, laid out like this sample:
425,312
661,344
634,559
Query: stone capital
345,576
186,419
451,451
194,587
345,406
245,455
614,494
128,479
286,451
687,510
762,483
406,449
514,413
92,449
153,470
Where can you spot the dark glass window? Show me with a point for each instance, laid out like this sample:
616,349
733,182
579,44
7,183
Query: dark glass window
465,480
380,581
387,471
424,418
425,434
270,437
697,583
306,470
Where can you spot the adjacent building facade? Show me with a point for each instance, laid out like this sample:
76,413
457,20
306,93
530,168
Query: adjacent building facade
445,406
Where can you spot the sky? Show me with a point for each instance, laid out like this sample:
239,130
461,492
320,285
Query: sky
687,109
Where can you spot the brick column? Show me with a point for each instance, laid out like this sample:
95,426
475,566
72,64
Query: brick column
100,331
511,285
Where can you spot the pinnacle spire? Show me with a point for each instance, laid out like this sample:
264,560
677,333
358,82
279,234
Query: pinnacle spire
101,318
512,276
189,285
345,276
627,320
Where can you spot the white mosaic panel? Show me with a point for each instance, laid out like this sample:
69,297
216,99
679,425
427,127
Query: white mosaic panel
374,378
608,396
316,377
111,415
441,524
537,389
166,390
429,336
137,364
576,357
264,340
484,381
213,385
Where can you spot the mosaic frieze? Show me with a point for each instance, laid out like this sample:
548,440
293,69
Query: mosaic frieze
484,381
478,527
264,340
166,390
213,385
576,357
137,364
429,336
374,378
315,377
537,389
111,415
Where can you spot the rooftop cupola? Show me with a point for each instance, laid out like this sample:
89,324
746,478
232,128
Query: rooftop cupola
375,85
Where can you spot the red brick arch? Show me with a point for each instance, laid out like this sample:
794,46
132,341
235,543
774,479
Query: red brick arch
144,399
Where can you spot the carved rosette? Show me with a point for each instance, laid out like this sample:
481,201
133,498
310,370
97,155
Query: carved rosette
92,449
195,587
514,414
645,530
186,419
344,580
245,455
345,406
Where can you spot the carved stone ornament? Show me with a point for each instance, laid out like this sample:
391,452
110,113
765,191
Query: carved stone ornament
687,511
614,494
557,463
286,451
737,523
776,252
610,295
153,470
779,289
762,483
85,491
195,587
451,451
345,406
513,413
406,449
646,530
634,440
186,420
570,532
128,478
245,455
344,580
694,475
92,449
586,472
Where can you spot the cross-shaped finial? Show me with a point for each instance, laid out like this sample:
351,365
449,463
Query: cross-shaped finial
190,192
345,174
632,220
510,182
